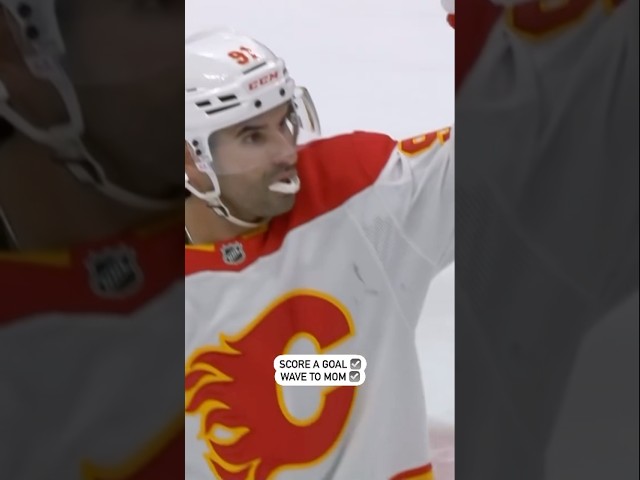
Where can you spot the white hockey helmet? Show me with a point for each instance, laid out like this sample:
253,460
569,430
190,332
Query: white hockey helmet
231,78
37,31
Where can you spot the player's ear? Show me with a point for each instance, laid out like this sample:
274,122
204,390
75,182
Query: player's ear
34,99
196,178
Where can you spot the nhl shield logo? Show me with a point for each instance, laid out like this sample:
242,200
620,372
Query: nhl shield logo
233,253
114,272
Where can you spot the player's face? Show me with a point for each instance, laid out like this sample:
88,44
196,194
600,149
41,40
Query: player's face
251,156
124,59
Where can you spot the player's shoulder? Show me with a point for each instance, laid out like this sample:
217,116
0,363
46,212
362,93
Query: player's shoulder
345,154
340,167
349,142
334,169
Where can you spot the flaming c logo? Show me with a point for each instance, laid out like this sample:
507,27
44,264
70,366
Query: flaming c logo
244,421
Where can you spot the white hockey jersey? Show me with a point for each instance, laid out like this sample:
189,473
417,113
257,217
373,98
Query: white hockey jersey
548,234
345,272
89,382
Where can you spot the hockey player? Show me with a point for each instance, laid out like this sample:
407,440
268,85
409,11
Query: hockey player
91,267
547,217
327,248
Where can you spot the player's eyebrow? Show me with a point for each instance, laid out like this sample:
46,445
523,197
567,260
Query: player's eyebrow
249,128
257,127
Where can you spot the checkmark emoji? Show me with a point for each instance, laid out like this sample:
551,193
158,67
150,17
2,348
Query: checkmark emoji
354,376
355,363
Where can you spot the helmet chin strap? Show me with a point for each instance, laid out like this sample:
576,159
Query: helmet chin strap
212,199
224,212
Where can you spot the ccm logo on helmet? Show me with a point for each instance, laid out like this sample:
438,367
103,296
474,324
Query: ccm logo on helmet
262,81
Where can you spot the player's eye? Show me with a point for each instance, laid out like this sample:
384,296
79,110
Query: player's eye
253,138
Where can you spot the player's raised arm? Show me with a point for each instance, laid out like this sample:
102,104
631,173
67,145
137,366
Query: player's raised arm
414,187
418,187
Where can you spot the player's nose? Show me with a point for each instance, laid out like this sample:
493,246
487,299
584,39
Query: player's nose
285,153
